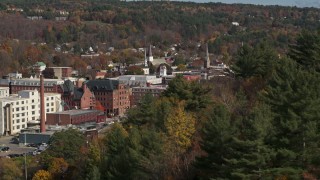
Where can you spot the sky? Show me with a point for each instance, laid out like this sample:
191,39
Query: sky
298,3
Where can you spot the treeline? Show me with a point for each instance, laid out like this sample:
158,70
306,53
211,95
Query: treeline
132,24
264,124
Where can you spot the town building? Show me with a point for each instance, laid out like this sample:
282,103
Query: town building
74,117
62,72
111,95
139,92
75,97
17,110
138,80
73,94
4,92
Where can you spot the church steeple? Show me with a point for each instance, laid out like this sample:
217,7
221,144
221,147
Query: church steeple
150,58
207,62
145,58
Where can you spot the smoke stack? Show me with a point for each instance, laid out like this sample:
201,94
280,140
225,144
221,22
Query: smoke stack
42,109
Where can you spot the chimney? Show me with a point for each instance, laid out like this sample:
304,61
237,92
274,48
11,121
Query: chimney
42,108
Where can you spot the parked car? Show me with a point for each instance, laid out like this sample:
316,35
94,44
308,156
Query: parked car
5,148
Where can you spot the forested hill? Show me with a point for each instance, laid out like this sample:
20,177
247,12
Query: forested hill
127,24
31,30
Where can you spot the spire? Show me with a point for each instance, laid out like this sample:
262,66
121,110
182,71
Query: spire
150,51
150,58
207,57
145,58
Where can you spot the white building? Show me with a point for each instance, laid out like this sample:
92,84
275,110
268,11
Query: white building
146,71
4,92
19,109
138,80
15,75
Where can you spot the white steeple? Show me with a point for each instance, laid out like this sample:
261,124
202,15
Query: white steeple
207,63
163,70
150,54
145,58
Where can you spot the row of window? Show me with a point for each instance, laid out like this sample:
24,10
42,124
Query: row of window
18,127
18,121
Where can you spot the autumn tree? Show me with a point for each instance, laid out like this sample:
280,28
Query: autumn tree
180,127
9,169
42,175
57,167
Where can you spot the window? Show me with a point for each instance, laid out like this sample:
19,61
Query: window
23,126
22,102
23,120
52,104
17,109
52,109
51,98
17,103
18,121
22,114
33,112
33,106
32,100
18,127
47,110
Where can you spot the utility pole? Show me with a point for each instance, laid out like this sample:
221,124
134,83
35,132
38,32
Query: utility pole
25,157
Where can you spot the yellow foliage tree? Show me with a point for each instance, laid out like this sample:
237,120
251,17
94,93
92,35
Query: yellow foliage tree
9,169
58,166
180,126
42,175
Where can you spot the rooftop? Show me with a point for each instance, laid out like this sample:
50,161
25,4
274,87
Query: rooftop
76,112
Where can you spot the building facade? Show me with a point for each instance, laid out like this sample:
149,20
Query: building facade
111,95
139,92
138,80
4,92
74,117
61,72
19,109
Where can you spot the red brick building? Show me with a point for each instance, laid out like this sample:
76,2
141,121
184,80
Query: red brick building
139,92
74,117
112,95
77,98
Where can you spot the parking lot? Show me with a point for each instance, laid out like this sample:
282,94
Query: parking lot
14,148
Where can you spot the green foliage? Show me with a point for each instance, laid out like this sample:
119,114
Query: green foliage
144,113
235,148
293,95
306,50
194,95
257,61
67,145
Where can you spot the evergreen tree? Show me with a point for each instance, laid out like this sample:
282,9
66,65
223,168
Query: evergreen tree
294,97
306,51
193,93
144,113
254,62
217,135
